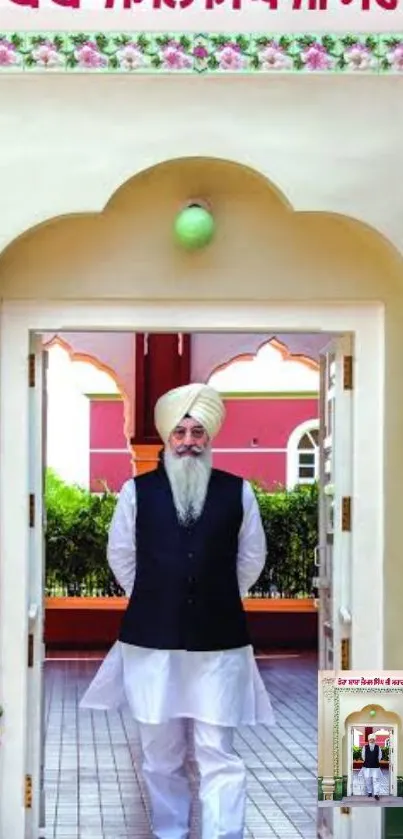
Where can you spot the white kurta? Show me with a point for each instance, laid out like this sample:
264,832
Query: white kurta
220,688
372,777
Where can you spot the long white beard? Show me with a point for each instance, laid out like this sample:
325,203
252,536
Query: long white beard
189,477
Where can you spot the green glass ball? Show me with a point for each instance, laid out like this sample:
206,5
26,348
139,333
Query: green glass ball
194,228
372,713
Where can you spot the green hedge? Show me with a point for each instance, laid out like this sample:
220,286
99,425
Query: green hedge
357,752
77,530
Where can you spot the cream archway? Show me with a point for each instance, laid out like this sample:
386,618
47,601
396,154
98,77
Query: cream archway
127,251
294,125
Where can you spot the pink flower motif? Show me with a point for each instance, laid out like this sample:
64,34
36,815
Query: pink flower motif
359,57
395,57
8,54
230,58
273,57
200,52
46,55
175,58
89,56
315,57
130,57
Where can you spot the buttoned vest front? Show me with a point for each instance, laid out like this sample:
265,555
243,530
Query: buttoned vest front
186,594
372,757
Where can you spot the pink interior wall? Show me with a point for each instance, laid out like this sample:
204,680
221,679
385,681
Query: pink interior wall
270,421
115,350
110,460
106,424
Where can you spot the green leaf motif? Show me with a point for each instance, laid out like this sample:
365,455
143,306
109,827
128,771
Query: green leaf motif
371,42
113,63
80,39
15,40
348,41
242,42
305,41
143,42
329,43
101,41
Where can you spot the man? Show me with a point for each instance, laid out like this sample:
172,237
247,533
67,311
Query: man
371,755
186,543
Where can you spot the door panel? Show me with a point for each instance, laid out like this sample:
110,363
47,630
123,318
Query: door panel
335,502
36,652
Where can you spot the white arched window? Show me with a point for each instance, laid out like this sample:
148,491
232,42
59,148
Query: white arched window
303,454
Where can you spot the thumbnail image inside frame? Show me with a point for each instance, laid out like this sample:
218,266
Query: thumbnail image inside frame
360,741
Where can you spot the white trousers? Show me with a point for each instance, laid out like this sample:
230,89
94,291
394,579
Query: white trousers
222,780
372,779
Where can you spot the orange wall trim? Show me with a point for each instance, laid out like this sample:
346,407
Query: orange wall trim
251,604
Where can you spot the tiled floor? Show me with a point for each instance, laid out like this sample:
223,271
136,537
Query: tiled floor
359,783
92,782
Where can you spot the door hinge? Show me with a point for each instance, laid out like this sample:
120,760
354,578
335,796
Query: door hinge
32,370
346,514
32,510
30,650
28,792
345,654
348,372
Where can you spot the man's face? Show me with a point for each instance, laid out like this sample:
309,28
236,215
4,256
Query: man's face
188,439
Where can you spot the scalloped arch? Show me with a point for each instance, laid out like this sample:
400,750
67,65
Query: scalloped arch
132,236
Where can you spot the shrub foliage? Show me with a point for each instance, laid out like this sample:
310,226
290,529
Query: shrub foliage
77,531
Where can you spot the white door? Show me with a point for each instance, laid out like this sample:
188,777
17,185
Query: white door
333,556
393,742
350,773
36,649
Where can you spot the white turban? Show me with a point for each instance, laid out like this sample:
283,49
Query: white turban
200,401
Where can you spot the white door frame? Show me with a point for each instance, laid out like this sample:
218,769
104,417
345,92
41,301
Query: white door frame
335,547
392,775
19,319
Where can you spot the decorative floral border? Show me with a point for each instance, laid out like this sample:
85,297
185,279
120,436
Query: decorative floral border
200,53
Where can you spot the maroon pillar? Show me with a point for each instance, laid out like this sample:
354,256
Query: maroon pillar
163,362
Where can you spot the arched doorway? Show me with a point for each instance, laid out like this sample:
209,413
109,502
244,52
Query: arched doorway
86,296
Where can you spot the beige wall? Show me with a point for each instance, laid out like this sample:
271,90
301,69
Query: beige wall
69,143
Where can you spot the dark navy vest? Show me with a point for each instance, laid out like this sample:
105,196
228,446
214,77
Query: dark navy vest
186,594
372,758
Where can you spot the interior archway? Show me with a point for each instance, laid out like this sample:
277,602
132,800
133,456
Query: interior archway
262,249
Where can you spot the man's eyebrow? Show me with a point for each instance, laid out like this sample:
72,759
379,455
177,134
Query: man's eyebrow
181,425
